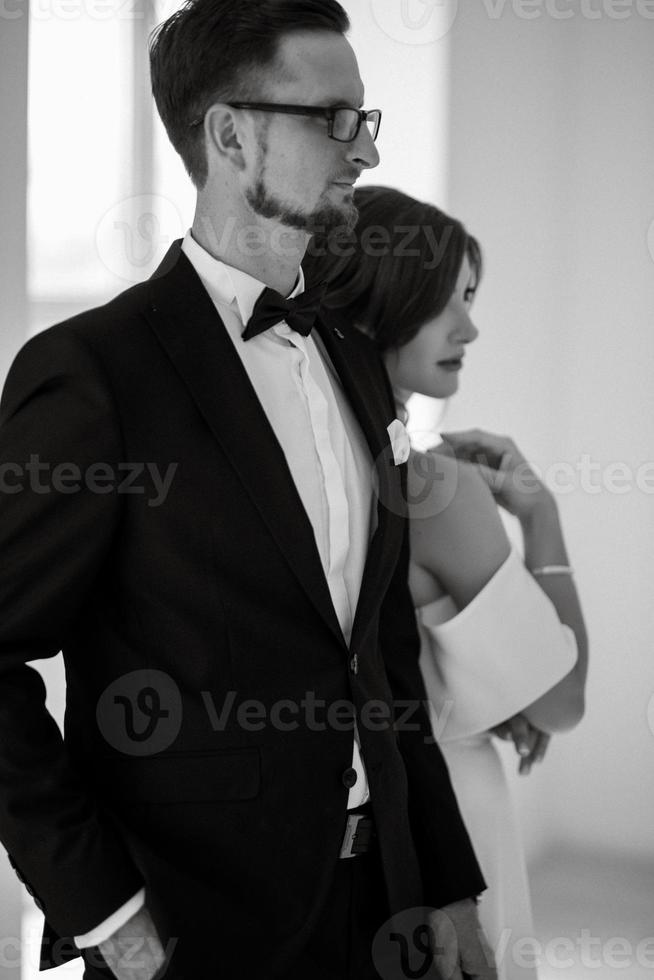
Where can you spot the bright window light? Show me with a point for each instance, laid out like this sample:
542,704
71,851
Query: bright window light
80,152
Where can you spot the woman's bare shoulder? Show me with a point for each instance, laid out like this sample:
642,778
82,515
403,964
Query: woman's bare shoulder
444,492
456,529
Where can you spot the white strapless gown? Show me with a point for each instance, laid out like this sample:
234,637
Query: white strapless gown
480,667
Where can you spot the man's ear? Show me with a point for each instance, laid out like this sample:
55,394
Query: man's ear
224,135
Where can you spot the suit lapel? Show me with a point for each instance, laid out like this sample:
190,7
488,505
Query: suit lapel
187,324
355,372
353,376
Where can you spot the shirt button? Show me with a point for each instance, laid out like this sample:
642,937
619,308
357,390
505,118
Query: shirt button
354,664
349,778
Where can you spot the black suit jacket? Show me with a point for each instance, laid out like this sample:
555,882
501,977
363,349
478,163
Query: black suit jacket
169,614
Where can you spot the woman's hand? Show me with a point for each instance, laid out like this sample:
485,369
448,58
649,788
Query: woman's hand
530,742
511,479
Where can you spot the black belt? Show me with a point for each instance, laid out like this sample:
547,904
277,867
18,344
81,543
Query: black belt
359,835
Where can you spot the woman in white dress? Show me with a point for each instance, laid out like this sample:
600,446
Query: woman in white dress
504,647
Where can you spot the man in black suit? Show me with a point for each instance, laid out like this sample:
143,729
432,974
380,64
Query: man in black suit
230,790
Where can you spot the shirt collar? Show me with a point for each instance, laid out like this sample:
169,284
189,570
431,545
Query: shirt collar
226,284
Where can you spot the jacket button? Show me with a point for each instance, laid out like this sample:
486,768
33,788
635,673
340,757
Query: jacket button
349,778
354,664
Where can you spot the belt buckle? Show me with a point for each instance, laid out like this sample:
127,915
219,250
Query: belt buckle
349,837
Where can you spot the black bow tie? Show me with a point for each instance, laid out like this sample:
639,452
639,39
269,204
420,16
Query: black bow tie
271,308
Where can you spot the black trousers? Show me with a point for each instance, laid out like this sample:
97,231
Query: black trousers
340,947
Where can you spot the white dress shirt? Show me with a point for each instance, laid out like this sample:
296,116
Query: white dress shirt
326,452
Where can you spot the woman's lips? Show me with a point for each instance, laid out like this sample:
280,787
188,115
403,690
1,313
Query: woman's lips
451,364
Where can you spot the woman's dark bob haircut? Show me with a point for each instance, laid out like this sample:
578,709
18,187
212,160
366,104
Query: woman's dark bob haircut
397,269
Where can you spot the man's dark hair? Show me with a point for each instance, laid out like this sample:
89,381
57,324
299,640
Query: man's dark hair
211,50
397,269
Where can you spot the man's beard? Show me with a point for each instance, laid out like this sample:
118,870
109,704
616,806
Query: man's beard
319,222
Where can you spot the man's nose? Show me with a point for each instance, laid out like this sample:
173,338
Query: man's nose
363,151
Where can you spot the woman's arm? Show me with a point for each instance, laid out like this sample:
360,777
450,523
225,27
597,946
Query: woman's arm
516,488
458,541
504,645
563,706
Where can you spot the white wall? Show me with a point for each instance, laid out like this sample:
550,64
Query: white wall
552,166
405,74
13,326
13,187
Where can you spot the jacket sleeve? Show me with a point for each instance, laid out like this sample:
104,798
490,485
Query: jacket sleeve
450,871
57,419
447,861
104,930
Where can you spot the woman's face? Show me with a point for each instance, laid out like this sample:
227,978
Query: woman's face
430,363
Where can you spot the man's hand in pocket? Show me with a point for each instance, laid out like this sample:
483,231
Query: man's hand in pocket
134,952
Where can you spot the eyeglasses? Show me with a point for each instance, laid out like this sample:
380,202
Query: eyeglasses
343,123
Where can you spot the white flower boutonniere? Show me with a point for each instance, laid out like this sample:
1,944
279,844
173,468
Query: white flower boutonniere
400,442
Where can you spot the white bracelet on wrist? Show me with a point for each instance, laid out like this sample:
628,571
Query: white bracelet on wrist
552,570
